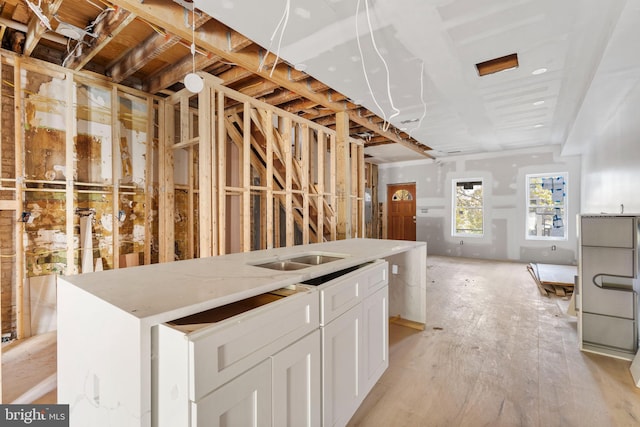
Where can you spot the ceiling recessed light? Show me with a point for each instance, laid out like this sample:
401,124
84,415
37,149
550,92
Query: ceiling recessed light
539,71
538,103
538,125
496,65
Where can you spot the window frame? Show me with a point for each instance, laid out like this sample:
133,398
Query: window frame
454,206
565,217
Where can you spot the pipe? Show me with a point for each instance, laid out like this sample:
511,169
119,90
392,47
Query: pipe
22,27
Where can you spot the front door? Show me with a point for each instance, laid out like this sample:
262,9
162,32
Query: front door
401,206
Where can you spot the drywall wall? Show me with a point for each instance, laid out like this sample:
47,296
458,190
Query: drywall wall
611,162
504,177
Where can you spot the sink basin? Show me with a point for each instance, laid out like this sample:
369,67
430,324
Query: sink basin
301,261
315,259
283,265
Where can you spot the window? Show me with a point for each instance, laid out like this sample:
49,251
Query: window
401,195
547,206
467,207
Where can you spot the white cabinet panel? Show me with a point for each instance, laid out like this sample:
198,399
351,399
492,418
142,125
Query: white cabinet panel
341,347
243,402
338,298
375,357
296,383
221,351
616,232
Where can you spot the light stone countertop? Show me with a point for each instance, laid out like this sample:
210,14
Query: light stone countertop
161,292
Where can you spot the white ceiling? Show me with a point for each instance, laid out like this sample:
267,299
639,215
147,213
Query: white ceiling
431,47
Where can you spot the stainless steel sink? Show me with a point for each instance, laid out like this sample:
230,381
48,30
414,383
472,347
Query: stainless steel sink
315,259
301,261
283,265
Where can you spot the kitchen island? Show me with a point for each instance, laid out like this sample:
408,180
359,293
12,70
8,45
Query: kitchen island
107,320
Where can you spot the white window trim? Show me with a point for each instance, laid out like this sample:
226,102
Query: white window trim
454,199
565,219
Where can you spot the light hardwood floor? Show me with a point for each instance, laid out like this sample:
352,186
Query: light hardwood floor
496,353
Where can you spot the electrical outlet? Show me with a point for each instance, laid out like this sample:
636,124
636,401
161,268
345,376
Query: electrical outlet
461,242
394,269
553,247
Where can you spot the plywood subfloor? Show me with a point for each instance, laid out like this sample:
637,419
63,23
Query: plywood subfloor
496,353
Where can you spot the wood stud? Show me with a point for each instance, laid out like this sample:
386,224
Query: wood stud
313,169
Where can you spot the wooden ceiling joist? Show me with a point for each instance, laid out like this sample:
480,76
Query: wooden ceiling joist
138,57
115,21
36,29
176,72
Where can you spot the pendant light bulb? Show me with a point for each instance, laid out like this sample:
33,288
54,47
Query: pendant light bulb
193,83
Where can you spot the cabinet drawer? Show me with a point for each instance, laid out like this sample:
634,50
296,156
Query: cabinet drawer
609,332
616,232
339,295
218,352
376,278
608,261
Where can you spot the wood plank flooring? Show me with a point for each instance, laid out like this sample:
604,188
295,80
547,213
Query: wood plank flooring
496,353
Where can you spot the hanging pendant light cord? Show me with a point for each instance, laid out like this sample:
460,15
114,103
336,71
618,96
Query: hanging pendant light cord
193,36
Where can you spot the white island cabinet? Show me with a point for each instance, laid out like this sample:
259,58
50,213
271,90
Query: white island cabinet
226,341
355,339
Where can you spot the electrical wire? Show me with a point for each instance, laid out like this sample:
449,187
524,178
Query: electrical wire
364,68
424,104
283,21
385,126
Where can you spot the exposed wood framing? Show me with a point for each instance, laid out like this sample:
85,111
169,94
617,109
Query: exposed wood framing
361,191
116,167
306,147
115,21
35,29
205,171
246,178
250,59
343,177
214,30
19,174
333,191
166,193
70,136
268,127
288,158
148,180
222,170
320,190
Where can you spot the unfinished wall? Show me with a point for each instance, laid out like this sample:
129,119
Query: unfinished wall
504,195
77,160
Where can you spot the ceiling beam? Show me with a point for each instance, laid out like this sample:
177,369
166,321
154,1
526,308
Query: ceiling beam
151,48
168,15
36,28
115,21
176,72
138,57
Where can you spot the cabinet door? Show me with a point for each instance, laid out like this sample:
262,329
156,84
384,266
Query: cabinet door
296,383
341,370
244,401
375,357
